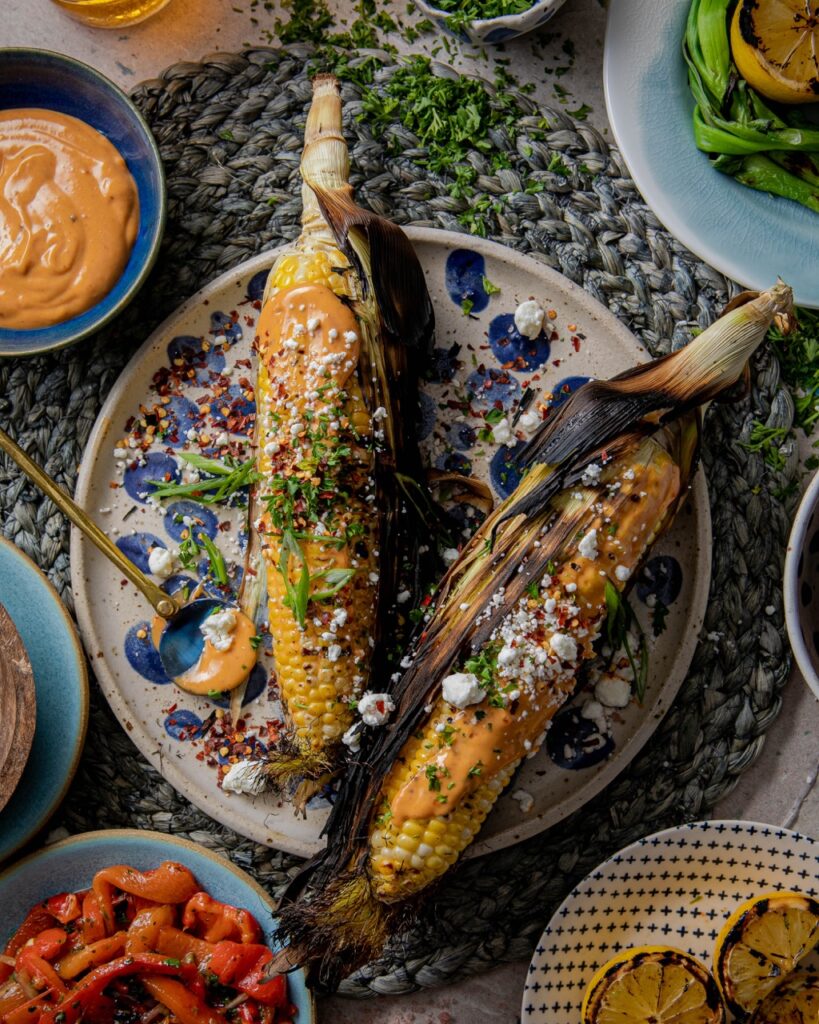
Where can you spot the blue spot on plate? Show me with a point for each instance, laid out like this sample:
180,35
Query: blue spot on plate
509,344
178,582
190,350
461,436
137,547
564,389
183,725
235,401
212,588
156,466
661,577
256,685
182,416
465,271
222,324
256,285
444,363
427,416
454,462
142,656
575,742
491,386
257,750
503,472
203,520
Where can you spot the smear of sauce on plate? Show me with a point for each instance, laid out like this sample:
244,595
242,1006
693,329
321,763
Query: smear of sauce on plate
218,670
69,217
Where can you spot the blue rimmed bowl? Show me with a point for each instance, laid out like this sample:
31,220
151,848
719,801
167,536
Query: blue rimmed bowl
801,586
40,78
72,863
490,31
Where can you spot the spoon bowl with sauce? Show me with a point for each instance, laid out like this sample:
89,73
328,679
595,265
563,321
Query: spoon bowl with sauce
206,645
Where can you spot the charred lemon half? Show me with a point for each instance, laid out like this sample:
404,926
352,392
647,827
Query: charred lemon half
653,985
795,1000
775,45
761,943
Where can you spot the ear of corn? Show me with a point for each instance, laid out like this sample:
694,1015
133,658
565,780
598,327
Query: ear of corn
518,613
330,416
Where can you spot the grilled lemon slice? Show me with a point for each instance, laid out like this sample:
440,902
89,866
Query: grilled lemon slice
795,1000
653,985
776,48
760,943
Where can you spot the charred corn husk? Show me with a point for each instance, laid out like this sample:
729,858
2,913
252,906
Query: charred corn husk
513,621
333,387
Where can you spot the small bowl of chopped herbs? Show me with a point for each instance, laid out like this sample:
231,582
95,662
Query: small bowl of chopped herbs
489,21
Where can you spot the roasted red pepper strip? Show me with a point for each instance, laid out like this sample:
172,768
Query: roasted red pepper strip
50,943
169,883
29,1012
186,1007
270,993
86,994
100,952
31,967
172,942
37,920
215,921
230,961
143,933
92,926
65,907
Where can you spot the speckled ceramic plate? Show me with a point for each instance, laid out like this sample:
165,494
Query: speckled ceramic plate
480,363
61,685
751,236
674,888
72,863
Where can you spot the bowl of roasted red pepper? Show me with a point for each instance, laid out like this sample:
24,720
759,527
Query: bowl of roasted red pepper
136,927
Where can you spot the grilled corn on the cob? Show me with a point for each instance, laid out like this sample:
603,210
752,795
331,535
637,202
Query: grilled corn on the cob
328,414
513,620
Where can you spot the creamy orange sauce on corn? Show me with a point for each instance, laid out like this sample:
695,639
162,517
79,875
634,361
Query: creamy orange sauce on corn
477,743
217,670
69,217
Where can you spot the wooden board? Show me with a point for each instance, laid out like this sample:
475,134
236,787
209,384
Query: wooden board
18,707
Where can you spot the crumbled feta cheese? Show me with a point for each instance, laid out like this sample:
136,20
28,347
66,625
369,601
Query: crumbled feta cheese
530,420
529,318
613,692
593,711
350,337
571,588
450,555
333,652
161,562
503,433
588,545
564,646
526,800
338,618
222,439
629,474
217,628
769,609
352,738
375,708
271,448
403,596
622,573
591,474
379,414
246,777
290,343
507,656
462,689
313,324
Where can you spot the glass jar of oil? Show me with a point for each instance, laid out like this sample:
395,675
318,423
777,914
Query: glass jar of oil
110,13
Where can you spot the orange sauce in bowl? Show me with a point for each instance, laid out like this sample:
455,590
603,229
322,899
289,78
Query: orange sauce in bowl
69,217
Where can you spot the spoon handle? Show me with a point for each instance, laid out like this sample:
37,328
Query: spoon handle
162,603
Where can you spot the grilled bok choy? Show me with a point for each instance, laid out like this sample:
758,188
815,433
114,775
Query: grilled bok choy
513,621
345,322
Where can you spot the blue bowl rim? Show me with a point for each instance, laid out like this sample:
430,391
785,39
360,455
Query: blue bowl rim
511,20
165,839
85,697
105,84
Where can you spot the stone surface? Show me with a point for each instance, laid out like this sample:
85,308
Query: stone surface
564,63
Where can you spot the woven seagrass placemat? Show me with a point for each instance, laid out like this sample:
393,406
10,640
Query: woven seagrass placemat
230,131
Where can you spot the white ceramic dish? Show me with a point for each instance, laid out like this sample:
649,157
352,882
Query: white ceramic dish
750,236
484,31
801,586
677,888
588,341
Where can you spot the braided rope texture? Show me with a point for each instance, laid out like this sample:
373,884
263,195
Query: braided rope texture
230,132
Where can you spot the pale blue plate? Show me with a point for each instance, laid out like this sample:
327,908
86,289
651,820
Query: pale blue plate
750,236
71,864
61,684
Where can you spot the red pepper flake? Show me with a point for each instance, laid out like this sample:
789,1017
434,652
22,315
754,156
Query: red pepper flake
575,343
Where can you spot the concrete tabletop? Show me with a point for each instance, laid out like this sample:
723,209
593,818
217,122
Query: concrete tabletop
564,63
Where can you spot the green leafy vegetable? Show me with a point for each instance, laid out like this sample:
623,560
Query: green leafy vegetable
217,568
620,619
224,480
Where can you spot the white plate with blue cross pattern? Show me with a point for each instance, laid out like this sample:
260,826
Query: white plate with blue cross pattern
674,888
189,391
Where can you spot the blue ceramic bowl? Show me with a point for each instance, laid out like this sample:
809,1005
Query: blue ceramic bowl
71,865
484,31
39,78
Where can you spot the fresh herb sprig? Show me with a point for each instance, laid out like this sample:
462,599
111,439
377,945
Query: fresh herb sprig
620,619
224,480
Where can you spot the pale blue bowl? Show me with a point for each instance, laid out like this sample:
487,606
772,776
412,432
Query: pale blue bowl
71,865
40,78
491,31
